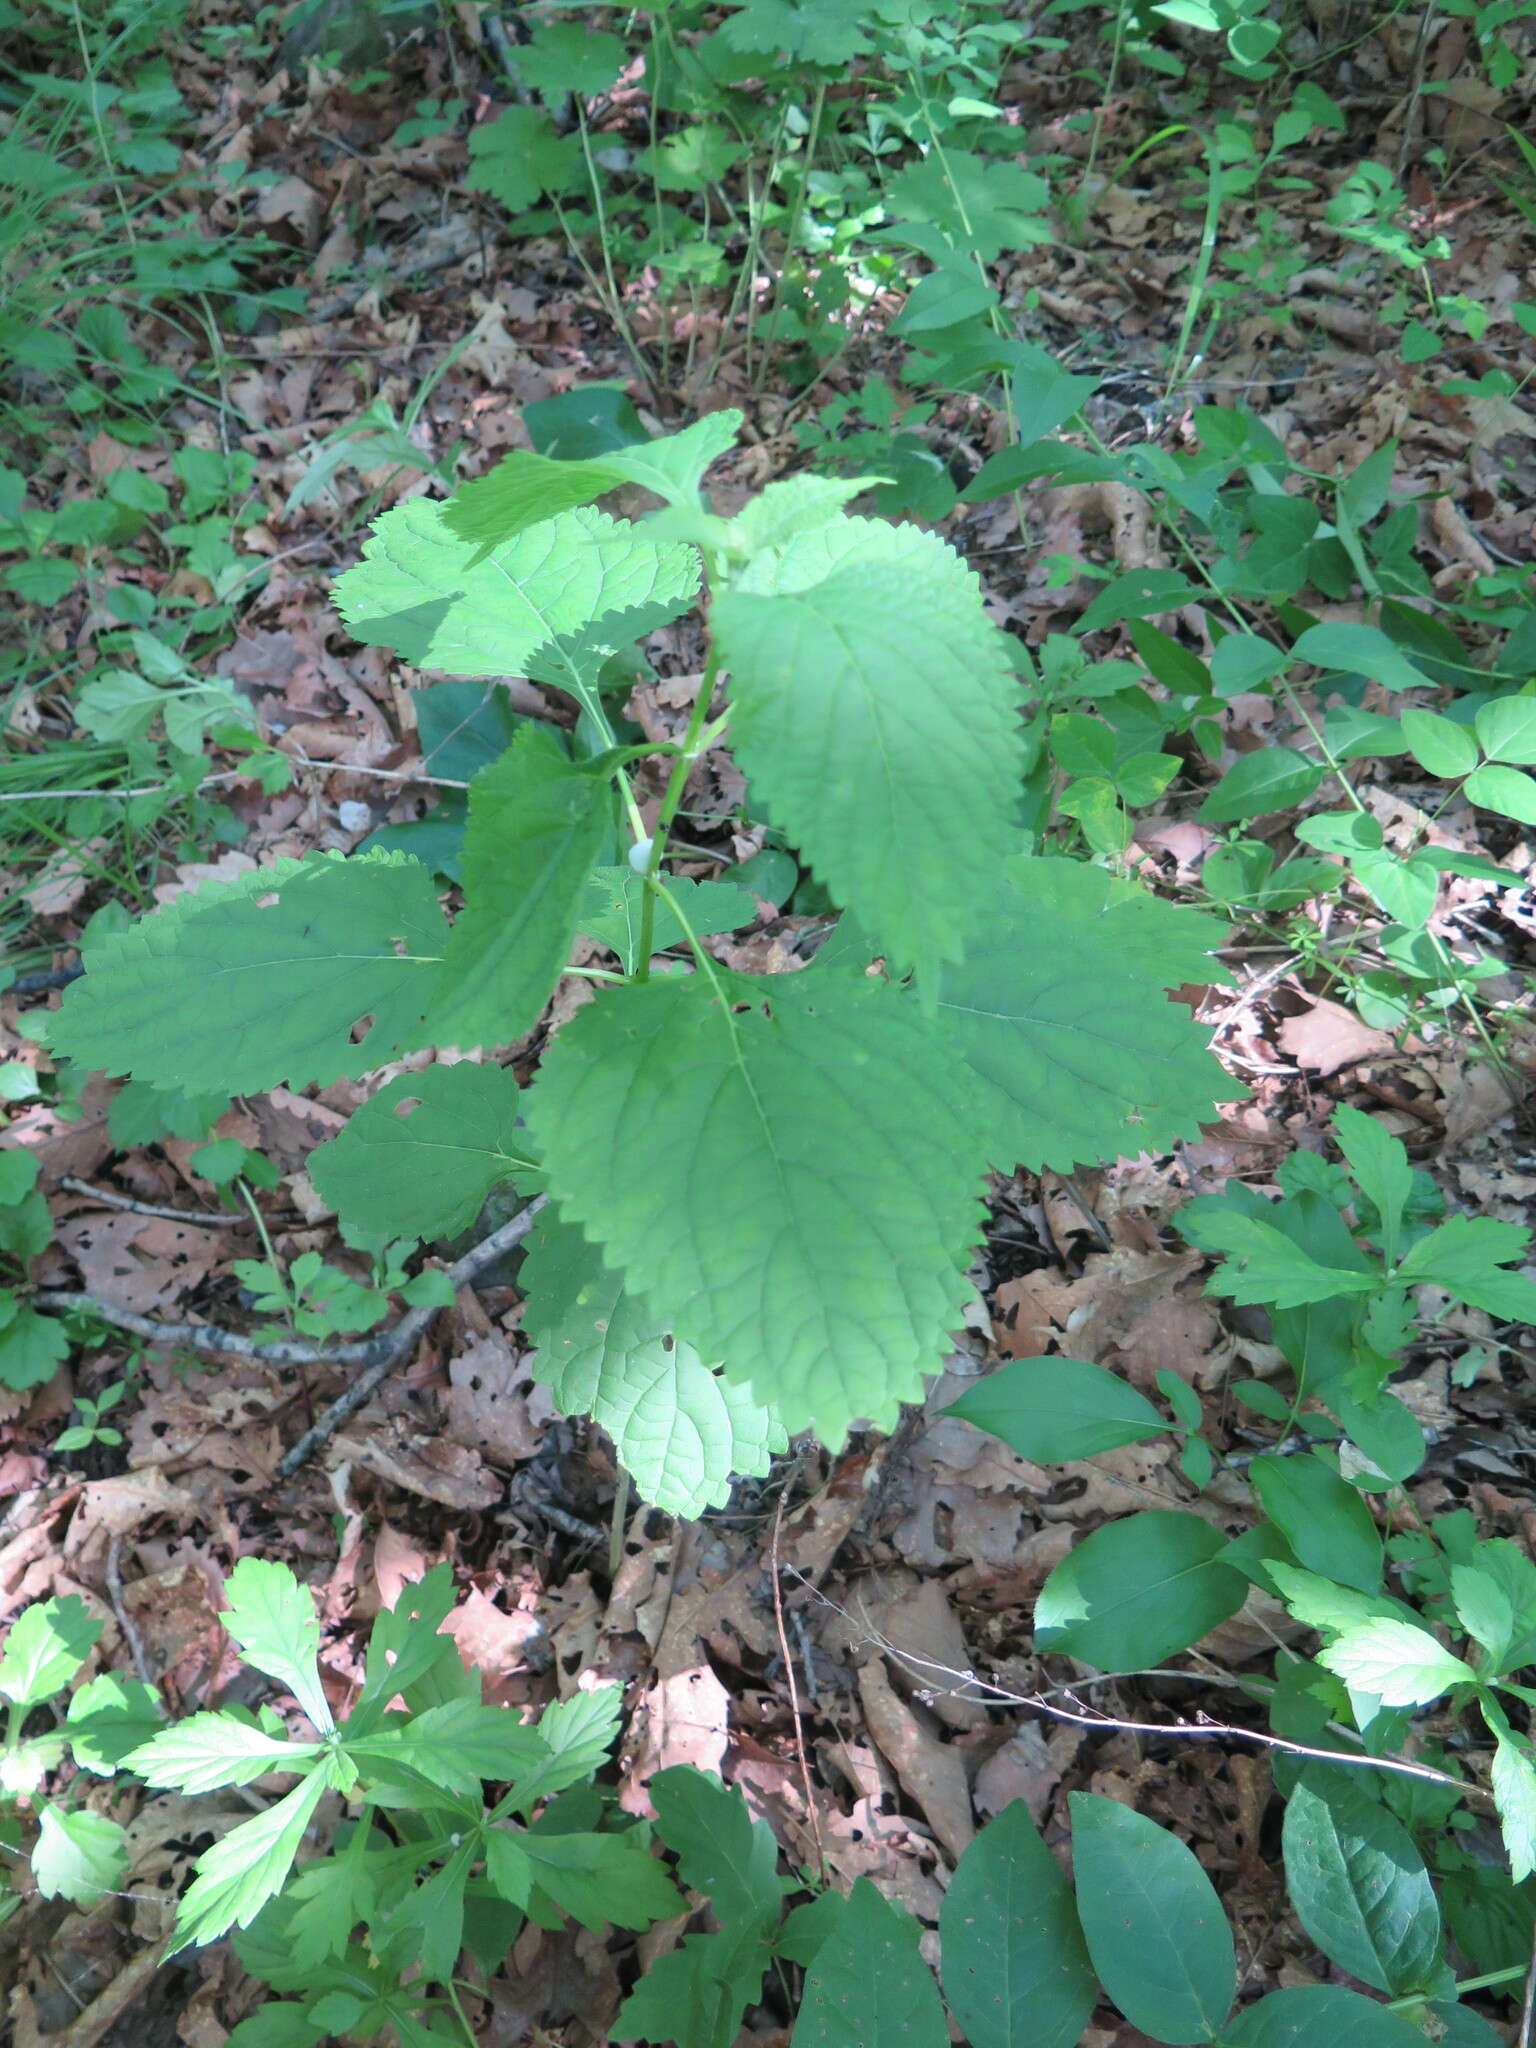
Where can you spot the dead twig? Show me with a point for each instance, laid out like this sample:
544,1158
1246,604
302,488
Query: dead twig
378,1356
100,2016
125,1620
207,1218
813,1819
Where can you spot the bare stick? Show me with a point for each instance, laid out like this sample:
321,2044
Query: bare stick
125,1620
811,1815
109,1199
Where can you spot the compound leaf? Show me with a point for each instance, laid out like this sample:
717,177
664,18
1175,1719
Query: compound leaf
439,604
537,822
420,1157
1062,1011
237,1876
272,1617
241,985
790,1171
1358,1884
875,710
1016,1969
681,1430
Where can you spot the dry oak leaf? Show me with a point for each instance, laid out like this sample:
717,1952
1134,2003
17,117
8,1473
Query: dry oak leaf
932,1774
683,1719
117,1506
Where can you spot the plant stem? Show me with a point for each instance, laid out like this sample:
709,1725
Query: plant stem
792,232
670,803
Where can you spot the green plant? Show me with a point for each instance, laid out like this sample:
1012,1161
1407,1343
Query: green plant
91,1429
31,1345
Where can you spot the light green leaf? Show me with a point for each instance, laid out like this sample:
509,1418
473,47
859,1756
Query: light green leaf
78,1855
1508,791
207,1751
1358,1885
46,1645
32,1348
455,1746
518,158
1321,1604
427,594
1402,1665
721,1850
1323,1518
237,1876
680,1429
1061,1010
1153,1923
238,986
1324,2014
1464,1254
1379,1163
1264,1265
107,1718
1514,1794
875,710
1137,1591
1054,1410
537,822
792,506
1269,779
869,1987
1440,746
809,1194
611,907
1016,1969
524,488
1507,729
577,1733
1505,1581
272,1618
420,1157
1358,650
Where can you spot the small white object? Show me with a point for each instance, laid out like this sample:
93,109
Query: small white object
640,855
354,817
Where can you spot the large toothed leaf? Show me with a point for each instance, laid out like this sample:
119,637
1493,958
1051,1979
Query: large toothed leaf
1061,1008
874,708
441,604
239,986
790,1172
420,1157
681,1430
537,823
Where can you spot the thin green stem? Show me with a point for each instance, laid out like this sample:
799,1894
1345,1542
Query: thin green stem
670,804
792,233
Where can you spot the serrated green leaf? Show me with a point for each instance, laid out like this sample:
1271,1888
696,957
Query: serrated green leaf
1379,1163
518,158
611,908
32,1348
597,1879
1320,1604
272,1618
109,1717
577,1733
1322,1517
424,592
207,1751
1152,1921
537,822
242,985
1463,1256
869,1986
45,1646
828,33
1514,1794
1484,1609
407,1646
1358,1885
1054,1410
1505,1568
681,1430
875,710
1264,1265
78,1855
458,1745
420,1157
1137,1591
1016,1968
792,506
1401,1665
720,1849
1061,1010
1315,2015
237,1876
809,1193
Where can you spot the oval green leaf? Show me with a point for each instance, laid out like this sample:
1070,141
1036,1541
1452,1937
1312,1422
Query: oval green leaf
1325,2013
1016,1968
1138,1591
869,1987
1052,1410
1358,1885
1322,1517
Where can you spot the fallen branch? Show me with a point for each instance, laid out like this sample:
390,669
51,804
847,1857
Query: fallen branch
378,1356
228,1219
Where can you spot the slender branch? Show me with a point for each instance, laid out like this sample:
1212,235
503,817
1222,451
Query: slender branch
378,1356
109,1199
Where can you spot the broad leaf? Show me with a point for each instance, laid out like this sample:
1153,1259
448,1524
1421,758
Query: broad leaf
1323,1518
1358,1885
1061,1010
1137,1591
459,1745
45,1646
241,985
420,1157
697,1994
1153,1923
1271,779
430,596
537,822
109,1717
1314,2016
79,1855
272,1617
207,1751
875,710
1401,1665
597,1879
809,1194
1016,1969
868,1984
612,904
1053,1410
680,1429
721,1850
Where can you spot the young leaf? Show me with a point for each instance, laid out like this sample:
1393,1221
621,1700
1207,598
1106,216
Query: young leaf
241,985
1054,1410
1060,1008
680,1429
1323,1518
209,1750
721,1850
809,1196
1325,2013
875,710
237,1876
440,605
1358,1885
1016,1968
109,1717
47,1644
868,1983
1137,1591
1153,1923
272,1617
577,1734
537,822
420,1157
1379,1163
78,1855
1401,1665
